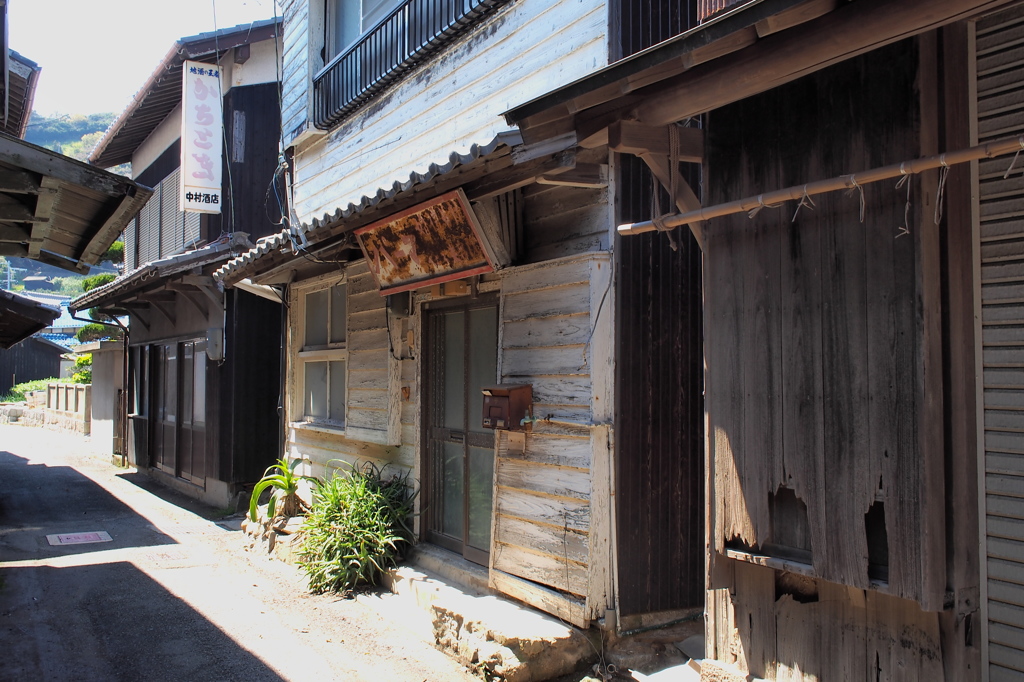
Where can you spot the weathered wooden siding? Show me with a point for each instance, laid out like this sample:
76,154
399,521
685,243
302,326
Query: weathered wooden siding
373,428
31,359
296,69
447,104
550,541
564,221
824,391
1000,114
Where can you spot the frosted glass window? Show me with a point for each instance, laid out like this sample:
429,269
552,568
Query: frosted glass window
315,393
454,377
316,318
199,403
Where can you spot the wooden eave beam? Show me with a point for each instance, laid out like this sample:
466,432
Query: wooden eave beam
13,249
47,163
584,175
14,233
131,202
49,197
12,210
18,182
196,302
630,137
851,30
163,310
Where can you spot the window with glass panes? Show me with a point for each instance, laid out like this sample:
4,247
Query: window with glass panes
323,355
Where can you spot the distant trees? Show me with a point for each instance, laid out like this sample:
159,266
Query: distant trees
73,135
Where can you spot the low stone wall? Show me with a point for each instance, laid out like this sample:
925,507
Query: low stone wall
58,420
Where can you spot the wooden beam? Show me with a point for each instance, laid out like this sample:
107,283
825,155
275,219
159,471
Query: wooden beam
196,303
18,182
49,196
47,163
12,249
796,16
745,37
853,29
586,175
528,152
630,137
132,202
14,233
661,167
519,176
12,210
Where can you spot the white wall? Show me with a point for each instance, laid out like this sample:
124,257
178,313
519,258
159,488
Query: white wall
456,99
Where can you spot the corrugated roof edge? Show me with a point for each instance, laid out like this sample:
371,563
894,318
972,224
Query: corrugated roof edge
237,268
163,268
178,51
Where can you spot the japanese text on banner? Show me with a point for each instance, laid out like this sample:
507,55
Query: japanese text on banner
202,129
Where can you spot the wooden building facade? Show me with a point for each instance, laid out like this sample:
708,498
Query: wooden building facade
396,373
204,364
864,496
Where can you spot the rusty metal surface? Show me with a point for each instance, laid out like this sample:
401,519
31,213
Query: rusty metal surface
434,242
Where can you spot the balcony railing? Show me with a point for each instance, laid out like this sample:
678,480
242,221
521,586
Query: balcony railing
403,39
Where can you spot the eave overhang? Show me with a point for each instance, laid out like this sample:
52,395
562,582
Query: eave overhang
21,317
486,170
756,47
60,211
161,93
161,278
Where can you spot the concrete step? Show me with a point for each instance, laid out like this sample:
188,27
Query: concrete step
496,636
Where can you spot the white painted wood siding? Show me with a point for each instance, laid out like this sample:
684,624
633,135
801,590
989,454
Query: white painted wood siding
1000,113
453,101
550,545
296,71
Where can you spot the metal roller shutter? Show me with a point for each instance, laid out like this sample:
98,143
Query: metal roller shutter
999,73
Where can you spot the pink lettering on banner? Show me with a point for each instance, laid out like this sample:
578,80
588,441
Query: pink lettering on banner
202,138
207,164
203,115
200,90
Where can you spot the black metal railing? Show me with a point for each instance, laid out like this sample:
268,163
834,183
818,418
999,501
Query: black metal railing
401,40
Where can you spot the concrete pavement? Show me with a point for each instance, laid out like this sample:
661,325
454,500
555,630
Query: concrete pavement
171,596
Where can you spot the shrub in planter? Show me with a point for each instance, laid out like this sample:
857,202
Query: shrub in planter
356,528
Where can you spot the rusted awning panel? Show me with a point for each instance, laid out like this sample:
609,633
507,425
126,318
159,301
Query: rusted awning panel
437,241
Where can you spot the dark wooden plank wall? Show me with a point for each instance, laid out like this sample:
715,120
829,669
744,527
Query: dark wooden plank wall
250,388
660,404
27,361
817,336
252,121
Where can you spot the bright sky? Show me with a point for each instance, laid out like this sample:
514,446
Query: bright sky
95,54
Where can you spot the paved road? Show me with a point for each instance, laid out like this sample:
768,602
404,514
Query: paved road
173,595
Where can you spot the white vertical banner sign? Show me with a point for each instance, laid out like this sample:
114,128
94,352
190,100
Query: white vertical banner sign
202,133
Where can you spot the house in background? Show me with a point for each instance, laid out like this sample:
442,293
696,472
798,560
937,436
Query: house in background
203,369
437,262
863,345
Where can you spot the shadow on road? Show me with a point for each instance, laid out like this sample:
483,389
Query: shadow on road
37,500
111,622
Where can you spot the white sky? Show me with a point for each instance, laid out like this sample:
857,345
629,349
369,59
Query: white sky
95,54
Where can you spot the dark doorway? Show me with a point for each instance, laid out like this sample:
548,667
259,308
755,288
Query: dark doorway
461,358
179,402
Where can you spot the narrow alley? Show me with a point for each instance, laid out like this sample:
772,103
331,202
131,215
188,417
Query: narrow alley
172,595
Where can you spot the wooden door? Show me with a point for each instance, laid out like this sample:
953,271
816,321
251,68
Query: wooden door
191,453
165,406
462,343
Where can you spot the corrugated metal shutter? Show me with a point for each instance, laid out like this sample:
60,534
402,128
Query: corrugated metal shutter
1000,114
149,229
130,233
172,222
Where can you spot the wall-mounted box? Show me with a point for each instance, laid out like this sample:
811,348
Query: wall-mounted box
506,406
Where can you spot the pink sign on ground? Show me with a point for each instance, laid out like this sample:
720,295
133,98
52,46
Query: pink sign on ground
79,538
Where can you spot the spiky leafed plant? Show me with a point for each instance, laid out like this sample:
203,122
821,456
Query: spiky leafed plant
280,476
356,528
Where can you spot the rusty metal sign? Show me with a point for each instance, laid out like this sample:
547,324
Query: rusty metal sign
437,241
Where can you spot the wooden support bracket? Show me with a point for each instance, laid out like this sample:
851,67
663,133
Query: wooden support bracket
630,137
661,167
166,312
49,195
587,175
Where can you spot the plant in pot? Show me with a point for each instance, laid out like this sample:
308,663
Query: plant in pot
281,478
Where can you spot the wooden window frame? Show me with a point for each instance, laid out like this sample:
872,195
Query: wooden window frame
302,354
